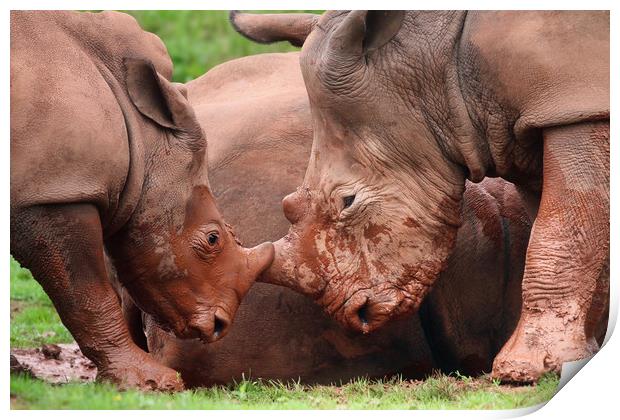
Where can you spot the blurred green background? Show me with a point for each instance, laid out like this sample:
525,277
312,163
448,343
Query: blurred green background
198,40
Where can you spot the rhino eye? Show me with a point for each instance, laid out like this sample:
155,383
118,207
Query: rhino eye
206,242
347,201
212,238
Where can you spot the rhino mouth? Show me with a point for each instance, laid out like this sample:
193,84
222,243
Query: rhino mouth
176,329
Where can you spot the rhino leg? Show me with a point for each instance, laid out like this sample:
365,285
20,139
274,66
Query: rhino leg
63,247
131,313
565,283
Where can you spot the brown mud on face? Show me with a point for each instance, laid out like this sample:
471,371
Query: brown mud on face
365,272
57,364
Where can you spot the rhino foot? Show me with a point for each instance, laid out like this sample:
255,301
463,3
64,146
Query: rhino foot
144,374
523,370
538,346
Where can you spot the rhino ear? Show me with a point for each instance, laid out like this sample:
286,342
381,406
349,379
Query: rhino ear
156,98
381,27
181,88
364,31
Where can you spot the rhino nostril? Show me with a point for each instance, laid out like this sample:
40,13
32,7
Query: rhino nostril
218,326
362,313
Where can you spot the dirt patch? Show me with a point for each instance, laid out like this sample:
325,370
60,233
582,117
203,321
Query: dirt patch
56,364
16,403
16,307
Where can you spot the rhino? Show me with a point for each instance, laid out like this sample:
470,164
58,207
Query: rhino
256,114
108,158
409,105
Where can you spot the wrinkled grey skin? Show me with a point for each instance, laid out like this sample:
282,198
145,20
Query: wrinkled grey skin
408,105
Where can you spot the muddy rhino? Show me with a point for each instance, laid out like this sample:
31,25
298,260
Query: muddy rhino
407,106
107,154
256,114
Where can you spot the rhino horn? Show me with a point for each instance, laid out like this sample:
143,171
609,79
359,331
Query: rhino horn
268,28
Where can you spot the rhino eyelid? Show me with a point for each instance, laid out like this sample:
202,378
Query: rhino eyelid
201,250
201,246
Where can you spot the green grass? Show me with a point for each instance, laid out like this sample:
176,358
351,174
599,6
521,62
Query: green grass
34,320
197,41
440,392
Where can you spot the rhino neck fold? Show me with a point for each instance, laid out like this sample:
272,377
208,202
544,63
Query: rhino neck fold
448,120
135,171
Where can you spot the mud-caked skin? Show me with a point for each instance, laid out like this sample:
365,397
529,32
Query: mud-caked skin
256,115
107,154
408,105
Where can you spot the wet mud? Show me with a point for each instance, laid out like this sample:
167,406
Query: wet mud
54,363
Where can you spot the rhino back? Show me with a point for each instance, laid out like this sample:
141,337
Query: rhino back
256,116
68,140
71,120
545,68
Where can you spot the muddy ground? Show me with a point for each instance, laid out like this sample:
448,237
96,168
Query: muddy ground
54,363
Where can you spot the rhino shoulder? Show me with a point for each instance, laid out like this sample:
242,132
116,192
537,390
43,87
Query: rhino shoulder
547,67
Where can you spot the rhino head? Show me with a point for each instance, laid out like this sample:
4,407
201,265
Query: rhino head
178,259
376,217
